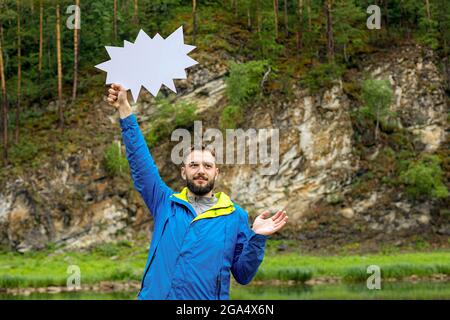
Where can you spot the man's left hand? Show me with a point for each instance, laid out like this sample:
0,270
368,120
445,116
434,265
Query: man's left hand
267,226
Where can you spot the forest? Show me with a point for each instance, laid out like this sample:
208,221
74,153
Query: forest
44,56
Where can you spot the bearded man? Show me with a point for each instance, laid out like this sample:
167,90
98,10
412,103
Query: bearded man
199,236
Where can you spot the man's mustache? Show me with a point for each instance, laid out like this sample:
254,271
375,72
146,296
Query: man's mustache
201,177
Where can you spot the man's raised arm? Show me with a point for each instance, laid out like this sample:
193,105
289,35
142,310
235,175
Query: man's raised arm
144,172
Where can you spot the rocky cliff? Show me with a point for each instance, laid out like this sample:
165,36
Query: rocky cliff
71,201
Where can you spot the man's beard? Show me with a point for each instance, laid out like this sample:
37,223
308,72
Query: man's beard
199,190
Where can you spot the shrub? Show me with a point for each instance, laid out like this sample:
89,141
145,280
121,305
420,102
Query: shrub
231,116
116,164
322,76
170,116
424,178
24,151
377,96
244,81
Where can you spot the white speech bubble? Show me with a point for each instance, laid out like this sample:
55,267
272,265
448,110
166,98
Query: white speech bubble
148,62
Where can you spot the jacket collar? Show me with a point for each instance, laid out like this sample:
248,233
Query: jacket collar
223,206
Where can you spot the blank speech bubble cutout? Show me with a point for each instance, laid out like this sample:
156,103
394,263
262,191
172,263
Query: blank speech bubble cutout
148,62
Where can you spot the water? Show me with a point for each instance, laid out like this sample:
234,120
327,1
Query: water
389,290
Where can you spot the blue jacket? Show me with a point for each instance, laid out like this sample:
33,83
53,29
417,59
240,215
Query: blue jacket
190,255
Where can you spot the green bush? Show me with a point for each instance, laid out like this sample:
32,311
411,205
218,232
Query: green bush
244,81
424,178
115,163
24,151
230,117
243,84
322,76
170,116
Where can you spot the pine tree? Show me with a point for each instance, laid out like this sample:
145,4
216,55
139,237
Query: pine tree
58,52
194,20
115,20
275,11
5,101
41,42
75,52
330,39
19,73
136,13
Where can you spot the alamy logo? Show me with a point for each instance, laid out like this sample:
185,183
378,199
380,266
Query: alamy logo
73,21
374,280
74,278
374,21
232,149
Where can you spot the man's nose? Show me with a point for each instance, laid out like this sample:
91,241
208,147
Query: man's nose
201,168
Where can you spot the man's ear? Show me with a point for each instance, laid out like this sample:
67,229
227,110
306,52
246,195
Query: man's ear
183,172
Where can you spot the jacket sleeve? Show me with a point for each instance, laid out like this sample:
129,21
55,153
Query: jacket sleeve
144,172
248,253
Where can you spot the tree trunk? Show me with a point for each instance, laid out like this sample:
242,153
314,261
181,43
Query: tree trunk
249,20
258,23
275,10
427,4
194,20
75,52
136,13
19,74
309,16
41,42
5,104
58,53
115,20
286,24
299,31
330,40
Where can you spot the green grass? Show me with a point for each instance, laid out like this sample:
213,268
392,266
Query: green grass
40,269
353,267
126,261
391,290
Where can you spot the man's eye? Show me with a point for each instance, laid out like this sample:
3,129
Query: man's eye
194,165
208,166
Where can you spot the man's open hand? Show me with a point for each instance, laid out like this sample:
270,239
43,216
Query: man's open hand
267,226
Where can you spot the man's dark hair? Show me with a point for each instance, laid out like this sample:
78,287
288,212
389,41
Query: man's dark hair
200,147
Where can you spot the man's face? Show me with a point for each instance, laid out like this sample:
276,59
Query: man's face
200,172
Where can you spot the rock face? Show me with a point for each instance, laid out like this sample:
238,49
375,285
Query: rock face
420,99
73,204
315,155
71,201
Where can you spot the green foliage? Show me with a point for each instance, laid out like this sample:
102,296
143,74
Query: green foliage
323,76
295,274
115,163
231,116
243,84
170,116
44,268
377,96
423,178
348,34
244,81
23,152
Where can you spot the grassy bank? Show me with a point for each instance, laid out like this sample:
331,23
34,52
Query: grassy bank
125,261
